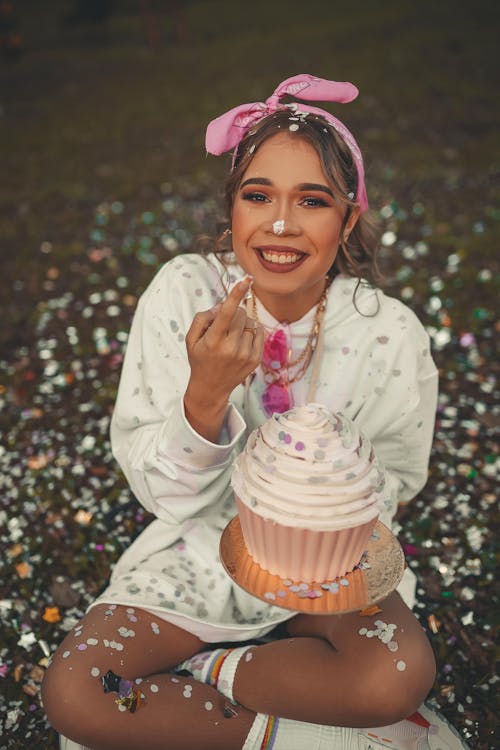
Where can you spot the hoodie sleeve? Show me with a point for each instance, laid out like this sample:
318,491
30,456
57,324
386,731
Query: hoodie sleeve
173,471
398,413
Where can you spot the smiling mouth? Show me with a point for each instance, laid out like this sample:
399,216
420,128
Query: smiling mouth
280,256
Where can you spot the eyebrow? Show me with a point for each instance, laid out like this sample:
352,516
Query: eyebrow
303,187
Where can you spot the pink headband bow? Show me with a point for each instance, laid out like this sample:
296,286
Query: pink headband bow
226,131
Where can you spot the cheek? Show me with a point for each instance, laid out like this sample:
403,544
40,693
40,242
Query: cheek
237,217
241,226
329,258
236,224
328,237
239,238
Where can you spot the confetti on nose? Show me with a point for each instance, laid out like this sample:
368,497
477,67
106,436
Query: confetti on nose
187,691
279,226
155,628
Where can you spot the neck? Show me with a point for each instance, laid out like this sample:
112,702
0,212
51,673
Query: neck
288,308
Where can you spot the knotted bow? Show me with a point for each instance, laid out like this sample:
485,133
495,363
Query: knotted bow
226,131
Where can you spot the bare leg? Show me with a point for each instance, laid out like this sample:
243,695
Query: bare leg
329,673
177,713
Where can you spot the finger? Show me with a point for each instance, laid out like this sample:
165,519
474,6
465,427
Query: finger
240,323
246,340
246,325
230,306
252,344
200,325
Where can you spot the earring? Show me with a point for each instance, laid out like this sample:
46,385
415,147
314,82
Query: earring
279,226
226,233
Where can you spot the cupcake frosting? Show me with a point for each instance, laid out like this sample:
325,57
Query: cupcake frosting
310,468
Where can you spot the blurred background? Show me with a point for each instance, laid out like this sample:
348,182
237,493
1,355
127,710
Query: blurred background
104,177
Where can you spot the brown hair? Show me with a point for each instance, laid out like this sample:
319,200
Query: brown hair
357,256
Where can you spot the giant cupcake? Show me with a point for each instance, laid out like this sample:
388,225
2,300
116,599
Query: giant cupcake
308,491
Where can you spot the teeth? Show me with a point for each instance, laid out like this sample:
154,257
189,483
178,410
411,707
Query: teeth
281,258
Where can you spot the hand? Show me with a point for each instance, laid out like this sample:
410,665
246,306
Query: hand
224,345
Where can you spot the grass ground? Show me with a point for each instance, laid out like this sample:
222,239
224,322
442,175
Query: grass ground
104,176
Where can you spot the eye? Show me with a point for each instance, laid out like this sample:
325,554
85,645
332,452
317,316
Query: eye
311,201
254,197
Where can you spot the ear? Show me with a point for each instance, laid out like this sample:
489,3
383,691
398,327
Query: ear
352,220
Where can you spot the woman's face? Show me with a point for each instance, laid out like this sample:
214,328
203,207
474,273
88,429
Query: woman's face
284,188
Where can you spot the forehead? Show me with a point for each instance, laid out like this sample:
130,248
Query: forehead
287,157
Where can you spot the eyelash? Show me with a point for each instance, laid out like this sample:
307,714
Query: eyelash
255,197
314,202
309,201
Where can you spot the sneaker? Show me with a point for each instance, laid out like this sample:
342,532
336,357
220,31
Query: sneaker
66,744
426,729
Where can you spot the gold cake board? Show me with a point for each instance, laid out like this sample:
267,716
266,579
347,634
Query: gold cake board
381,571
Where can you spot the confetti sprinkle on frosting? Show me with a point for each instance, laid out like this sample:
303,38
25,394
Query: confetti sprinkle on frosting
324,475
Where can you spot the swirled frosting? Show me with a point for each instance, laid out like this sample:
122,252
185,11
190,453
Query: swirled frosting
310,468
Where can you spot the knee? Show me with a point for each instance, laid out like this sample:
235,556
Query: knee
63,700
54,696
397,688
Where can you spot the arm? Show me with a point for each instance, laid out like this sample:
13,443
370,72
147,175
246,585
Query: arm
172,469
383,377
222,352
404,447
399,418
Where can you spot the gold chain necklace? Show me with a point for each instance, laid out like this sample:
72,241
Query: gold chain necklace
304,359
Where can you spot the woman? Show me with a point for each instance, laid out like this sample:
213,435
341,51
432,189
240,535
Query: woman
196,380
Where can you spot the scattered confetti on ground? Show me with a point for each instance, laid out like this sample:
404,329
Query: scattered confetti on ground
66,514
57,511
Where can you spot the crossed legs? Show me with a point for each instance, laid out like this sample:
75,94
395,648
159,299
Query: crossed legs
342,670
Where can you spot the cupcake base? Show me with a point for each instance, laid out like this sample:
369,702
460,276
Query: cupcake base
381,571
302,554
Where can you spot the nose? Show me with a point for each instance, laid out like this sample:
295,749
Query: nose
282,222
